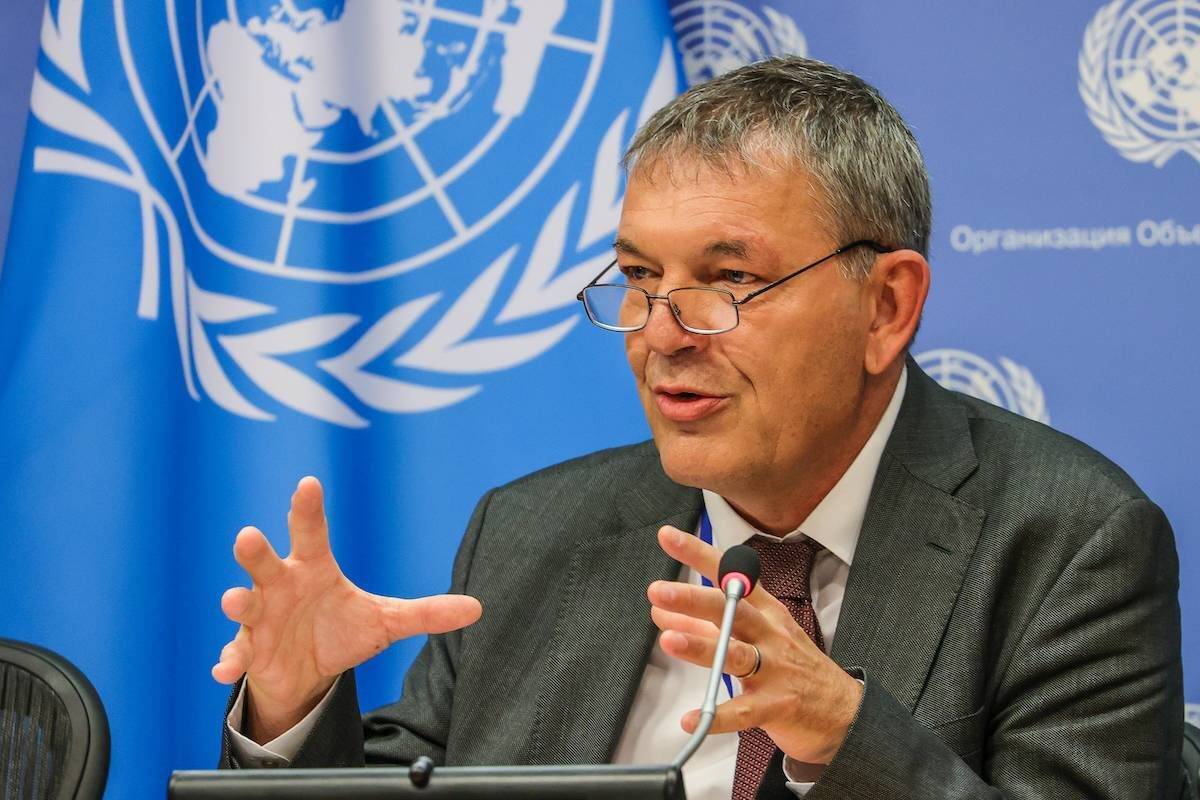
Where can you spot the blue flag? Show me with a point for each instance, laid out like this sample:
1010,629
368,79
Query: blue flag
261,239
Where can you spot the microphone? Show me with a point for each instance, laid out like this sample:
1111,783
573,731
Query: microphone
740,564
737,576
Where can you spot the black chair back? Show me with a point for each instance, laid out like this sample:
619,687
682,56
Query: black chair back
1191,762
53,731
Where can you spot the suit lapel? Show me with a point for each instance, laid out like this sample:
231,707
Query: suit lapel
603,633
916,541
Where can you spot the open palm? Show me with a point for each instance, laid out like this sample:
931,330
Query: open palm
303,622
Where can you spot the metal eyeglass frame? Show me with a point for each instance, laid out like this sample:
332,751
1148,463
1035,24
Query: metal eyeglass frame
650,298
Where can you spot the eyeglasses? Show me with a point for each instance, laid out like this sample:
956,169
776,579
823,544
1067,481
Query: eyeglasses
625,308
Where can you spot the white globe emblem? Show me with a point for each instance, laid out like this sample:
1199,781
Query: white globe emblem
716,36
344,141
374,121
1154,66
1011,386
1140,77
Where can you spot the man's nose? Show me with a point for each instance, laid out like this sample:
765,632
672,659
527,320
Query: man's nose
663,333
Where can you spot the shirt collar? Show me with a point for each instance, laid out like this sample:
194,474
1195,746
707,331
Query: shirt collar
837,520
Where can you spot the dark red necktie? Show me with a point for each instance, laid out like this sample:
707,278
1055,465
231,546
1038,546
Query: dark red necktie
785,571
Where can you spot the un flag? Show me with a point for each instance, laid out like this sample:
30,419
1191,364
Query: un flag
256,240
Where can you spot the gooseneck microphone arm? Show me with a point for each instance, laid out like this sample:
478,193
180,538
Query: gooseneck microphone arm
708,710
738,574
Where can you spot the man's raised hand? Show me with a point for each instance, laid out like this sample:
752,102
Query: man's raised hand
304,623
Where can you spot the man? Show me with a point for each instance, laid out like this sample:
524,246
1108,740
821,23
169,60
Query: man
956,602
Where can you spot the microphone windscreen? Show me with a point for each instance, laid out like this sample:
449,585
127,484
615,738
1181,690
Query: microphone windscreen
741,559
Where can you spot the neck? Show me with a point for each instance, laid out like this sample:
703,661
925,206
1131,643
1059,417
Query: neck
779,507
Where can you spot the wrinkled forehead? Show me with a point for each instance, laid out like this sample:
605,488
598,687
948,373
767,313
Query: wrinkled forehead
739,210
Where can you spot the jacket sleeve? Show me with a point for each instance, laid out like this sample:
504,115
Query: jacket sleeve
1089,706
415,725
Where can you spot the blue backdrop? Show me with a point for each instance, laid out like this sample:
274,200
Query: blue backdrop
240,254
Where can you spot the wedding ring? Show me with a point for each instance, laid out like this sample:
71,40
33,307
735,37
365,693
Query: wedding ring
757,665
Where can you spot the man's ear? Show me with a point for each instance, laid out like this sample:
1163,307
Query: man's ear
894,297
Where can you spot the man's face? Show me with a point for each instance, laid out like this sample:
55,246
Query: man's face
773,400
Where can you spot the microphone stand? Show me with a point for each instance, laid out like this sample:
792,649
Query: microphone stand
734,591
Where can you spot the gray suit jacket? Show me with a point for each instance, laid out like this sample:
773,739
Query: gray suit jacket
1012,604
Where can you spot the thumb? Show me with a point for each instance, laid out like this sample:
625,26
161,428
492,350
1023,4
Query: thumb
436,614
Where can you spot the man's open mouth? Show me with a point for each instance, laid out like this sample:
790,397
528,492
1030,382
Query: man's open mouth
685,405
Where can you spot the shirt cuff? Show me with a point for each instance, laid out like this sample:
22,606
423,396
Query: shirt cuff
280,751
800,775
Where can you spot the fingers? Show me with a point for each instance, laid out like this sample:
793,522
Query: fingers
742,712
750,624
255,555
690,551
241,605
671,621
706,559
437,614
235,659
700,650
306,521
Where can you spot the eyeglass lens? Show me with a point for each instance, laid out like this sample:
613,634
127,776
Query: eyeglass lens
625,308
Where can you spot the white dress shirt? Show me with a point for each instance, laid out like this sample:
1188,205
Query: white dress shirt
670,688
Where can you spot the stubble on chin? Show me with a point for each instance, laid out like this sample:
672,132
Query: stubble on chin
689,460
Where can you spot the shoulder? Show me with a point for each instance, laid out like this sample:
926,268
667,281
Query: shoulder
1047,496
593,495
1038,489
595,484
1032,459
1000,461
526,534
611,466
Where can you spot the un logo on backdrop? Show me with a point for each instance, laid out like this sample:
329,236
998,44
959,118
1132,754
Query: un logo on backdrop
1010,386
1139,77
343,142
716,36
346,142
297,111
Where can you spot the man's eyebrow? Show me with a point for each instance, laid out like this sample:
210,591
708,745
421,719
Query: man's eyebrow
723,247
625,246
728,247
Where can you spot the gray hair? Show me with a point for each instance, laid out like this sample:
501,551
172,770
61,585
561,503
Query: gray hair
797,113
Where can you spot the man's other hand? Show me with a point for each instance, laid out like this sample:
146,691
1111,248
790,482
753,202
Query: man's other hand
303,623
802,699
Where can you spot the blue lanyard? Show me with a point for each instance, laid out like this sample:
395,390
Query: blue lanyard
706,536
